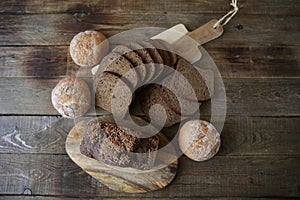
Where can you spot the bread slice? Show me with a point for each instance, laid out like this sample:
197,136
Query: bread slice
158,61
209,78
106,61
161,50
117,145
110,91
172,54
194,77
134,58
123,67
165,56
148,61
151,96
152,50
179,105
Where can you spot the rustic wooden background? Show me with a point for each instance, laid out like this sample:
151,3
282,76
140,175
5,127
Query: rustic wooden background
258,57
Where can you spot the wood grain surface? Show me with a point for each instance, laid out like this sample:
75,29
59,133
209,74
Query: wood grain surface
239,61
60,28
242,135
253,176
257,56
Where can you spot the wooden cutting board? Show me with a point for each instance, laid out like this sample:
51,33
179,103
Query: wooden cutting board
123,179
186,43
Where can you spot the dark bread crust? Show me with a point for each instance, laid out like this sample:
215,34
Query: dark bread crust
151,96
171,53
158,60
148,61
163,51
196,80
123,67
106,84
118,145
187,108
134,58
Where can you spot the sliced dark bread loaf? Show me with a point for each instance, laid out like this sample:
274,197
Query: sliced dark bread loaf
109,88
175,102
172,54
158,61
117,145
209,78
134,58
194,77
165,56
152,50
151,96
106,61
123,67
148,61
162,51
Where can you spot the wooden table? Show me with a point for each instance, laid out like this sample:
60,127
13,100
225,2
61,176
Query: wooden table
258,57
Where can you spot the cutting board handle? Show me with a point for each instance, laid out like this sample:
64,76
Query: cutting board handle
206,32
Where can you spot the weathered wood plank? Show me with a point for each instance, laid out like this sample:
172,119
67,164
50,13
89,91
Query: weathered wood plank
28,197
255,61
237,61
247,136
58,29
220,176
34,134
26,96
260,136
276,7
34,61
248,97
45,174
259,97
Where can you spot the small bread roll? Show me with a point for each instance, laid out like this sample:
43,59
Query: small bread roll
199,140
88,48
71,97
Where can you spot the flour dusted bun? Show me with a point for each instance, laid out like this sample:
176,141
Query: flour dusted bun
199,140
71,97
88,48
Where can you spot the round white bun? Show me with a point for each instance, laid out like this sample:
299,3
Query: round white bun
88,48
